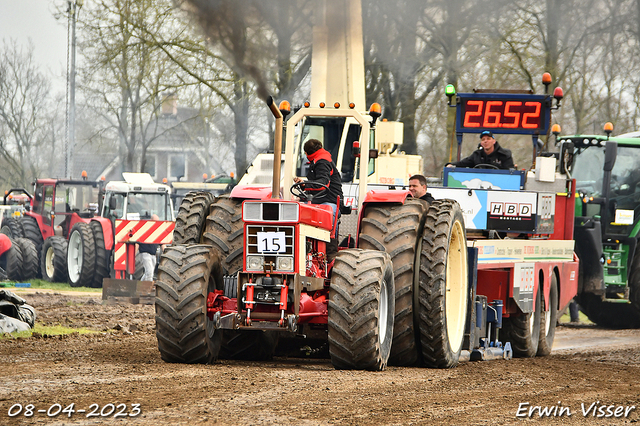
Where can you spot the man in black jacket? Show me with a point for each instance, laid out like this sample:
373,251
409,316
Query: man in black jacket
418,188
323,171
490,153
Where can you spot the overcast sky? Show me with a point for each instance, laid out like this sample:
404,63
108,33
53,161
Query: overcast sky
22,20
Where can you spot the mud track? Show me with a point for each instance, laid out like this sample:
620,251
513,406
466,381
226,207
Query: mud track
124,367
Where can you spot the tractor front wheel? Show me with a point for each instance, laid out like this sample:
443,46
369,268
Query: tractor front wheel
102,254
361,310
443,285
54,260
81,256
186,276
11,262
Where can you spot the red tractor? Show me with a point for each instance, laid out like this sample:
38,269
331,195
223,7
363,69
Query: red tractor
63,223
248,270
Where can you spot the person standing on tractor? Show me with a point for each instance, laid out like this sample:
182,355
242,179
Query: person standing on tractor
324,173
489,153
418,188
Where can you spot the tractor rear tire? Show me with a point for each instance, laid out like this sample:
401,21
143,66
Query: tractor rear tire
192,216
523,331
548,320
186,275
224,231
361,310
30,258
395,228
102,255
81,255
12,228
53,262
443,285
31,230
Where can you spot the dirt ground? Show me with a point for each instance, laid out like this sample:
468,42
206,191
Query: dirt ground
124,367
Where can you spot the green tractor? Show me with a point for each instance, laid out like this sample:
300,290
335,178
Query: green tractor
607,222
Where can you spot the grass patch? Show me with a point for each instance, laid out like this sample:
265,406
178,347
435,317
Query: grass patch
43,284
50,330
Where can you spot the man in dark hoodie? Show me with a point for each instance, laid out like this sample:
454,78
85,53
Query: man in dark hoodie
490,152
323,171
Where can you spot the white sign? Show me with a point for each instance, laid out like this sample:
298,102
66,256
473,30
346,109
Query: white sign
624,217
271,242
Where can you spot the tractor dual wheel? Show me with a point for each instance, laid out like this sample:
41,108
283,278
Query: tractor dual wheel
523,331
53,260
31,230
395,228
81,256
30,258
102,255
361,310
443,285
186,275
548,320
224,231
12,227
192,215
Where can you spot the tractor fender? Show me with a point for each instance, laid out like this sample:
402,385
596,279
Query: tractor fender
382,196
107,231
247,192
5,244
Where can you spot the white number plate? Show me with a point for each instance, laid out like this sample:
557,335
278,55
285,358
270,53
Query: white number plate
271,242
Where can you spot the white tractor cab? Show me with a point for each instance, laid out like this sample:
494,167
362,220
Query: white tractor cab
340,131
138,197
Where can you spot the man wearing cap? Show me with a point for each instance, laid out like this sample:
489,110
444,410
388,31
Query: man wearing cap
489,152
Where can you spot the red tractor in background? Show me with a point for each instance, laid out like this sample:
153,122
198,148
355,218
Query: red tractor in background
62,213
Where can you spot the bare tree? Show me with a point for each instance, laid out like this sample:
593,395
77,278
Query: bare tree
30,139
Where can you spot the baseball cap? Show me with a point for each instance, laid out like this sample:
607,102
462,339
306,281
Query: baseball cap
486,133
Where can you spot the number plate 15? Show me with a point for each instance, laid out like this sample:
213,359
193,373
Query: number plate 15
271,242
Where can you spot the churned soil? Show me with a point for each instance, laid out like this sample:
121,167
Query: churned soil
121,365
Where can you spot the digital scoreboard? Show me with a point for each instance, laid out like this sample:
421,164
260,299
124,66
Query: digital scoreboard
504,113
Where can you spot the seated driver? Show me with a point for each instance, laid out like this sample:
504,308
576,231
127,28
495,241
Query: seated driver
489,152
323,171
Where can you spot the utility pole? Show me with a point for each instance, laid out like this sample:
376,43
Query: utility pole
74,8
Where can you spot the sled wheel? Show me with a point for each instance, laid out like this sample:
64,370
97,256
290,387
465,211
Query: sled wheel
54,260
395,228
30,259
442,285
548,320
224,231
361,310
102,254
186,275
191,219
523,331
81,256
